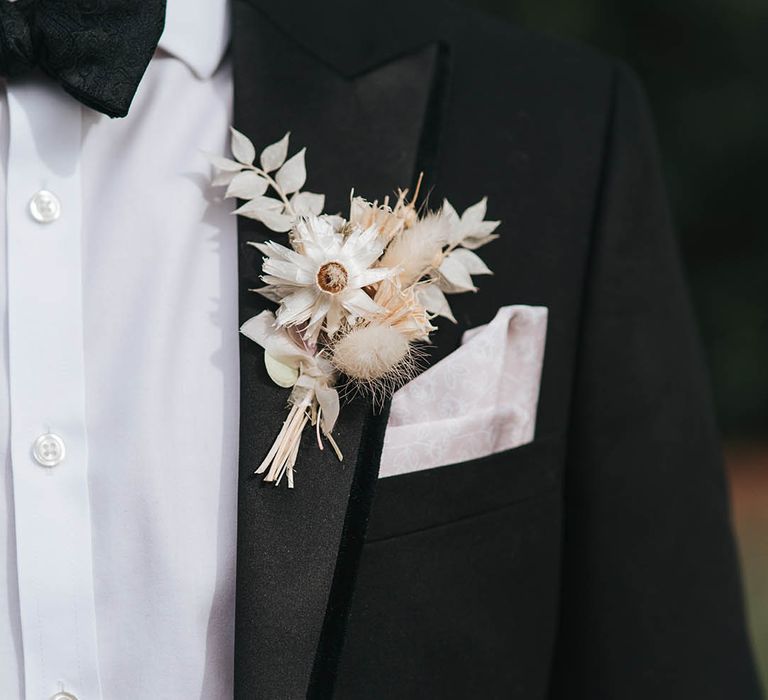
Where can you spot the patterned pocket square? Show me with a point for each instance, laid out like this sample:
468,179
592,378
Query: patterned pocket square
479,400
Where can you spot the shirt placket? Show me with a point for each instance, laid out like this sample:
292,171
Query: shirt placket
47,401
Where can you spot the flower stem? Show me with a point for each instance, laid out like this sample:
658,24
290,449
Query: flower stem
273,184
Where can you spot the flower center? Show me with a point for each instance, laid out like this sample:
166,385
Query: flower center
332,277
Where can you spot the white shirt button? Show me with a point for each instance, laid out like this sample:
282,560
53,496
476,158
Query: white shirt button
49,451
63,696
45,207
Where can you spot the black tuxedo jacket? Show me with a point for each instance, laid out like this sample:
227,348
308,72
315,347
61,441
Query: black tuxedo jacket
596,562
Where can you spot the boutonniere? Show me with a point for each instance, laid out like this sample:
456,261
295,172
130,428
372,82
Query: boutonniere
355,296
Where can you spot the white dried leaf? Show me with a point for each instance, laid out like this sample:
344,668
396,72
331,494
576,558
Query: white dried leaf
259,204
475,214
472,262
242,148
481,229
221,163
334,220
273,156
293,174
469,230
454,276
246,185
281,374
449,212
475,243
275,221
434,301
270,293
306,203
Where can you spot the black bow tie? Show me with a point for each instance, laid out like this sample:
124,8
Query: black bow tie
97,49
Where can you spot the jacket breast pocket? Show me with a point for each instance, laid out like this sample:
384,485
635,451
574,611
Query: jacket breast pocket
429,498
480,400
457,588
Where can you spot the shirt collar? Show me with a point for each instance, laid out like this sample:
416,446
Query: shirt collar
197,32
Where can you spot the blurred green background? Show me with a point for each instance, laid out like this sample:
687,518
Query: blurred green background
704,64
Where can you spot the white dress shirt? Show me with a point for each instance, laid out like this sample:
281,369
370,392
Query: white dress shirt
119,383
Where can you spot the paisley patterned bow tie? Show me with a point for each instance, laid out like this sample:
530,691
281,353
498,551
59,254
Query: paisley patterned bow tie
97,50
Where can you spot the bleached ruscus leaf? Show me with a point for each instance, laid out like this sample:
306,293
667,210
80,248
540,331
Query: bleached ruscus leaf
275,221
454,277
470,229
254,207
474,243
293,174
246,185
273,156
434,301
472,262
242,148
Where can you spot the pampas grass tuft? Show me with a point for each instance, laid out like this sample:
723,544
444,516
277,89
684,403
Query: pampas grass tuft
376,359
418,248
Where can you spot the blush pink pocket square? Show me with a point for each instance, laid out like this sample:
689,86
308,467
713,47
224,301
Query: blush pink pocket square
479,400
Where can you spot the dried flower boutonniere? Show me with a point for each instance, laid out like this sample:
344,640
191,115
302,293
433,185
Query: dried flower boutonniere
355,296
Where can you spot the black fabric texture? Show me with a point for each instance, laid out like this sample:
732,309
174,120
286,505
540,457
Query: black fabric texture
651,600
597,561
98,50
290,542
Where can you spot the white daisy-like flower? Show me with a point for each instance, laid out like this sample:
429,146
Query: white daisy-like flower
323,285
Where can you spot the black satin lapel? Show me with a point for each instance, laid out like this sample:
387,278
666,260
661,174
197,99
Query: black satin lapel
363,131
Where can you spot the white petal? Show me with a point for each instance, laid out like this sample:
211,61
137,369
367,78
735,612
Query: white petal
246,185
434,301
363,247
323,304
287,272
281,252
222,163
280,373
280,282
272,249
359,304
318,237
304,203
334,220
273,156
296,307
333,319
270,292
292,176
242,148
370,276
471,261
456,275
257,205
